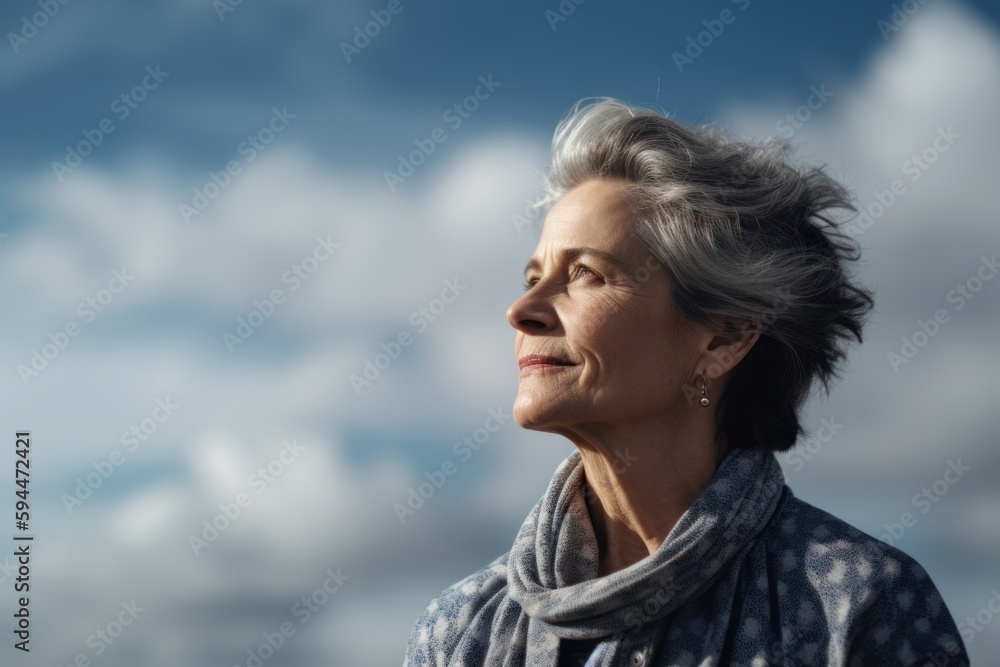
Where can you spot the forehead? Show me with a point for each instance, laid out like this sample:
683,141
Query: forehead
594,214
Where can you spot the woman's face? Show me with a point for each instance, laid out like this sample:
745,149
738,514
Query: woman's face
600,304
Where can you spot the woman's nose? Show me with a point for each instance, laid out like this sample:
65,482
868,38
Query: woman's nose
531,313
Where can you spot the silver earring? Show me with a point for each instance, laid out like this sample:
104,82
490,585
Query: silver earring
705,400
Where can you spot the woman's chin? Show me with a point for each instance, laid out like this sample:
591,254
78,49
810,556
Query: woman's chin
535,412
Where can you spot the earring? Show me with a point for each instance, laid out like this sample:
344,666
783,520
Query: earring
705,400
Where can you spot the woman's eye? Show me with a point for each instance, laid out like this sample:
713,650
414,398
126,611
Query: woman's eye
589,271
528,284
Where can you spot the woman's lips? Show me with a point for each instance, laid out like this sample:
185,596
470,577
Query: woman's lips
535,362
539,366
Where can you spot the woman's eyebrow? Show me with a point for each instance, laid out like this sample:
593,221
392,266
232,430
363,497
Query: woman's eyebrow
573,253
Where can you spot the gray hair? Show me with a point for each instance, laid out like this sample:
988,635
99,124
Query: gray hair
743,235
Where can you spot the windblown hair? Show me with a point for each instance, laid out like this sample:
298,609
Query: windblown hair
744,236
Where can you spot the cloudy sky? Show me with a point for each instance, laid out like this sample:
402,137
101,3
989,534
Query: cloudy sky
200,248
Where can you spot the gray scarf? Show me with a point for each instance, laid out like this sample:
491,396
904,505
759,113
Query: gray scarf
739,580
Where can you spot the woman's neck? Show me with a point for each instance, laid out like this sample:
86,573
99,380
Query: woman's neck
638,488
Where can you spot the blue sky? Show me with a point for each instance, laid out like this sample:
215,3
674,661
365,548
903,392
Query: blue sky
321,176
225,75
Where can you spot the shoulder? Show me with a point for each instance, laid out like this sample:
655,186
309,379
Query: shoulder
879,600
444,622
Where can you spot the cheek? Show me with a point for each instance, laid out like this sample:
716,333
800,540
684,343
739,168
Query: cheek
623,337
643,356
623,351
639,350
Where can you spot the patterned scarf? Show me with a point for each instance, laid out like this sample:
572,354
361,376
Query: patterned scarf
712,576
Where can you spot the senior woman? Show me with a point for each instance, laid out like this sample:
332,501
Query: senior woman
686,293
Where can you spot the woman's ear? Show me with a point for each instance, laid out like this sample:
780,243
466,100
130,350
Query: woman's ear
726,349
